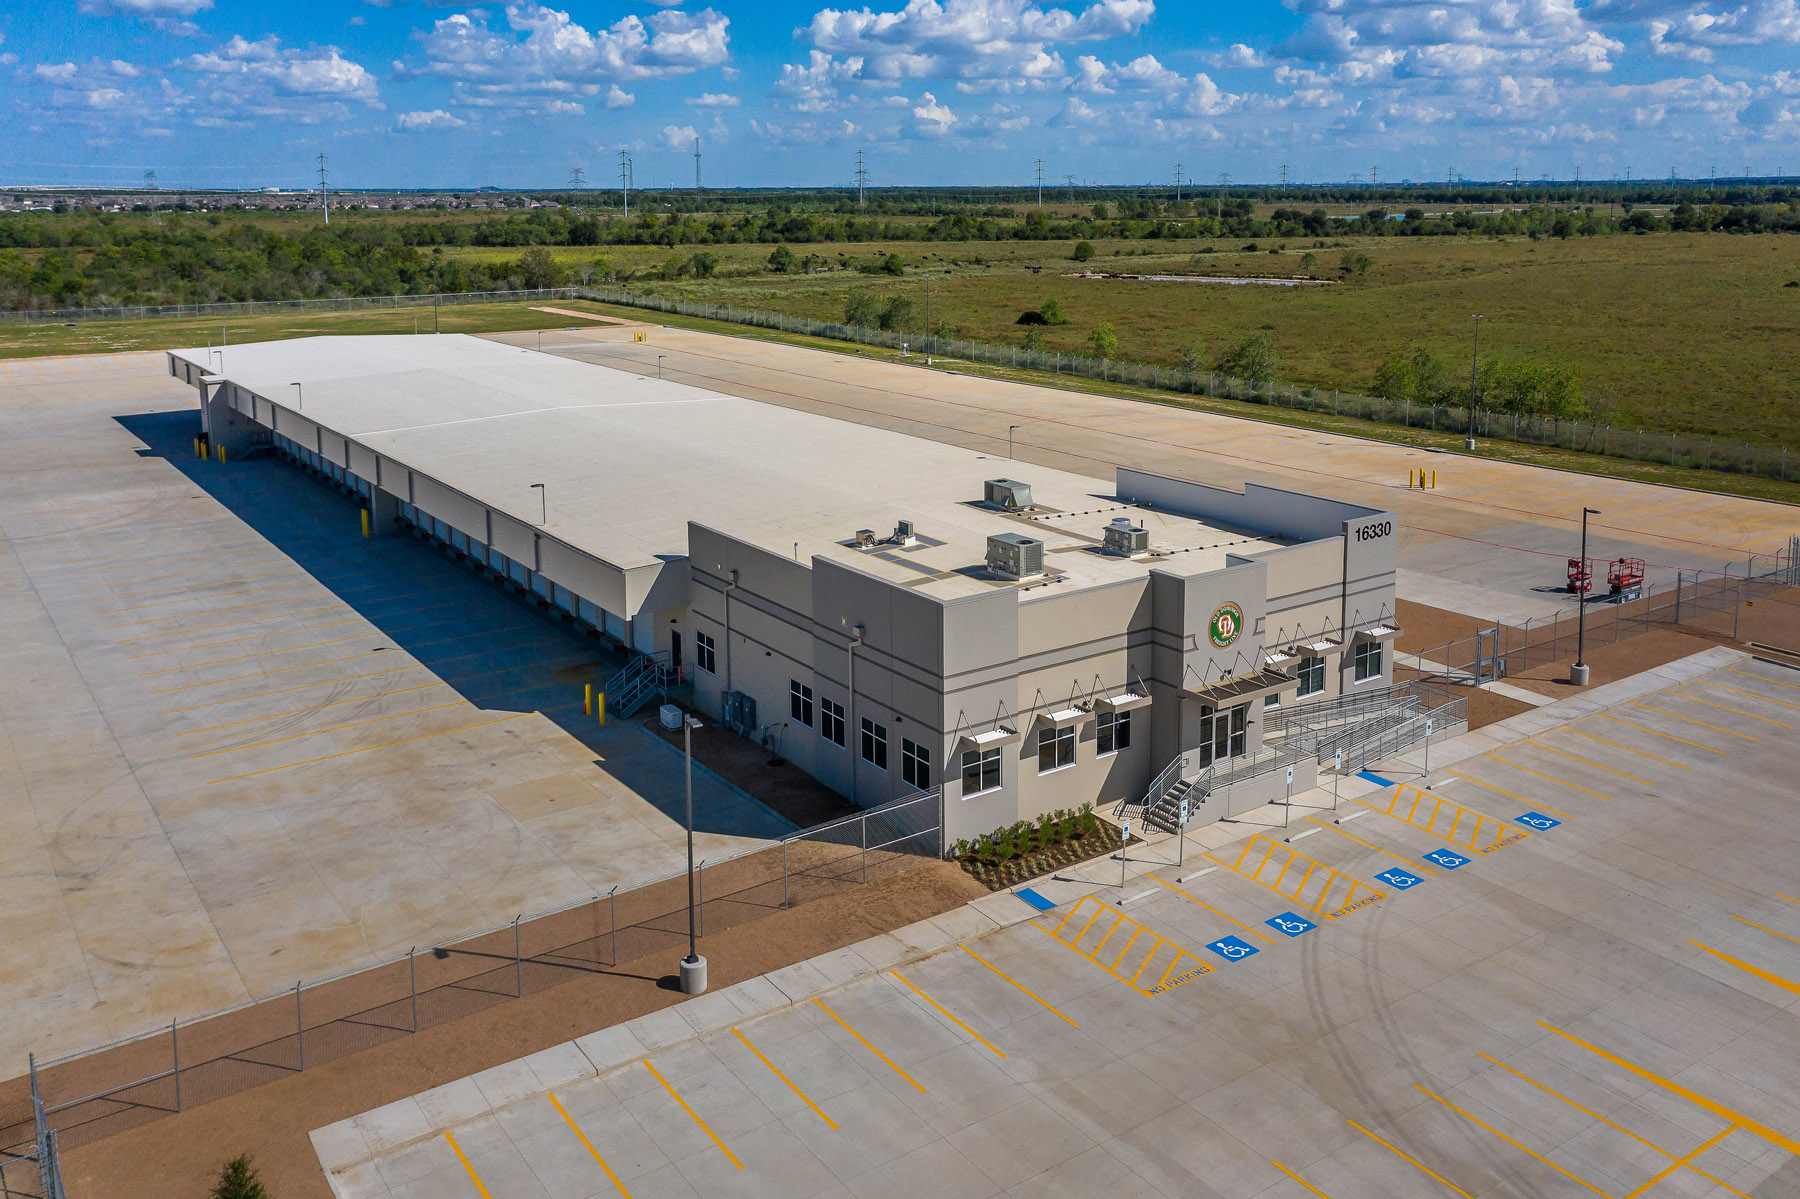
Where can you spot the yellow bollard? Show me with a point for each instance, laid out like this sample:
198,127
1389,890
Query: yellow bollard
365,516
600,705
587,701
1409,478
1434,480
221,452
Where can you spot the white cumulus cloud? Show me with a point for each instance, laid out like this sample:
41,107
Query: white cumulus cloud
436,118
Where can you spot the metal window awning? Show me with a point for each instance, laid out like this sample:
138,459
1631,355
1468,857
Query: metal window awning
1277,659
1125,702
1379,632
1064,717
1322,645
991,739
1242,687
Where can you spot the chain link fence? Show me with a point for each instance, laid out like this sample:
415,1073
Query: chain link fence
83,1097
47,316
1493,653
1639,445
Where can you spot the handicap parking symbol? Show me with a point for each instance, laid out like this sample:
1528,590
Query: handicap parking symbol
1399,879
1537,821
1291,924
1232,949
1447,858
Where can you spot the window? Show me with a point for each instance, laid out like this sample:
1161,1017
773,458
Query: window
1115,733
705,653
800,702
1368,660
981,771
874,743
831,721
1312,677
1056,749
915,764
1222,734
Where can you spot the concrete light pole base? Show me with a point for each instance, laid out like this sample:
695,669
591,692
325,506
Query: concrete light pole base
693,975
1468,443
1578,675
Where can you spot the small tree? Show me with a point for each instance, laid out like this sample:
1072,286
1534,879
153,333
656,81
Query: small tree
705,264
895,312
238,1180
1084,250
1100,211
1192,359
1052,311
1034,338
783,260
538,268
860,309
1252,358
1105,340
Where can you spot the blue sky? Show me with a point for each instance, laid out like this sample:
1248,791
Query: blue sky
409,93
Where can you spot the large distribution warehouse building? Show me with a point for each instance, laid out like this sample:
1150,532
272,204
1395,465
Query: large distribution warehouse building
890,613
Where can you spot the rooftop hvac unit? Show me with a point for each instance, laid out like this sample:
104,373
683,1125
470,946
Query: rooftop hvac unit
1015,555
1009,494
903,532
865,537
1123,537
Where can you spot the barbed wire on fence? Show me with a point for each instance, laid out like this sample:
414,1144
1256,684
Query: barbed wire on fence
132,1080
1640,445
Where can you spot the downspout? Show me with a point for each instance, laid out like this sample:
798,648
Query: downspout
851,732
730,586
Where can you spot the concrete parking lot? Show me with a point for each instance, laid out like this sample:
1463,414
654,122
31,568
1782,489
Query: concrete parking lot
1565,962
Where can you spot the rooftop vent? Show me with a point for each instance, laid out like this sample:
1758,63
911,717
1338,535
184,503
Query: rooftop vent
1015,556
865,537
903,533
1123,537
1009,494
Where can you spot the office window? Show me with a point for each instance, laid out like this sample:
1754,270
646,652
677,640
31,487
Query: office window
1368,660
1312,677
980,771
915,764
800,702
705,653
1056,749
1114,734
831,721
1222,734
874,743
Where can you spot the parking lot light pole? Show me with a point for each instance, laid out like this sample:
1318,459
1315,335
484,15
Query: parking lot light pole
693,966
1009,440
1578,673
659,362
1474,373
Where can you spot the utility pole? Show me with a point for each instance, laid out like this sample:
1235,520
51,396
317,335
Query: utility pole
1474,374
625,180
1040,182
862,180
324,195
696,164
1374,177
1578,673
1284,176
1178,183
577,179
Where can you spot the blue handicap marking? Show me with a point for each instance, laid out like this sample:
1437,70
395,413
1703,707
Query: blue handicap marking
1232,949
1399,879
1291,924
1034,899
1374,778
1447,858
1537,820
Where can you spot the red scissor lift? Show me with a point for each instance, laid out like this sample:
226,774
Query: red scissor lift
1581,575
1625,577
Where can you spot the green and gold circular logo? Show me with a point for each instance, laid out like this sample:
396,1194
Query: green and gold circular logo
1226,624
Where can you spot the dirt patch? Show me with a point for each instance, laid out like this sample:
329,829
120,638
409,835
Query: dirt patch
1609,663
762,773
179,1156
1423,627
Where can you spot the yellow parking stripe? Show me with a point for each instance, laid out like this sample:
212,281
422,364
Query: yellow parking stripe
1694,699
884,1057
1753,695
1626,748
1774,980
1476,1120
1309,1186
690,1111
1209,907
1530,803
1415,1161
576,1128
947,1013
1644,728
1334,828
1770,931
464,1158
784,1078
1717,728
1634,778
1552,778
1015,982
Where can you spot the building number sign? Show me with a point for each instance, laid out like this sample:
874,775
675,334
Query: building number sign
1227,623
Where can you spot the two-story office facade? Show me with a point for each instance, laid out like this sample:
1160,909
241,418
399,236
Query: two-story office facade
889,613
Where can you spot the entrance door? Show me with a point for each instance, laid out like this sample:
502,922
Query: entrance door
675,650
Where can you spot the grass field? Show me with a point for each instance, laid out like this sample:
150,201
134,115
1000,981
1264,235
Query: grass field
1689,333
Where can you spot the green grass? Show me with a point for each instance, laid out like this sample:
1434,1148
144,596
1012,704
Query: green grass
1689,333
107,337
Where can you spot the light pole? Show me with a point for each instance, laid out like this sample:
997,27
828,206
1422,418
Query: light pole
1009,439
1474,365
1578,673
659,361
693,966
299,398
543,503
928,320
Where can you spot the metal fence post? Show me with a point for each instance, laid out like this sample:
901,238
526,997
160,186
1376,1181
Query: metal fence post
862,837
612,916
518,963
784,873
299,1026
175,1059
1677,619
700,892
412,985
1737,609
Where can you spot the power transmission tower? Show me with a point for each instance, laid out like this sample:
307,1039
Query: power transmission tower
1178,183
862,180
1069,182
150,180
577,179
696,164
1040,182
1374,177
324,195
1284,176
625,180
1515,176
